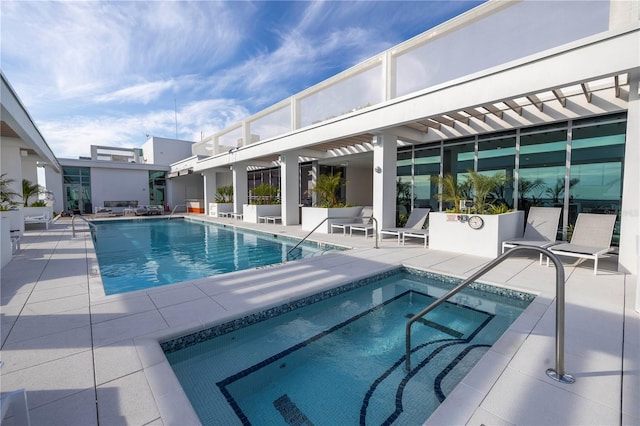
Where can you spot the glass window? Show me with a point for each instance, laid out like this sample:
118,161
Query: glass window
542,169
597,159
499,156
427,165
457,160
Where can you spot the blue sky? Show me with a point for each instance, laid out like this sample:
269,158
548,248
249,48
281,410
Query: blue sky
109,73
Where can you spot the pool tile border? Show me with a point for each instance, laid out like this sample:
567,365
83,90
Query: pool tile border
175,344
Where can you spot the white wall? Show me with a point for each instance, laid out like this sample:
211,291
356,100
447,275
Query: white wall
186,187
119,185
165,151
54,185
360,186
9,160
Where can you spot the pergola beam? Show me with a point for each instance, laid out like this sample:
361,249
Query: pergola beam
560,97
475,114
493,110
458,117
443,120
536,102
587,92
514,106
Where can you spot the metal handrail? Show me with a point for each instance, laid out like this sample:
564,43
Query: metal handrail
375,229
558,373
73,226
174,210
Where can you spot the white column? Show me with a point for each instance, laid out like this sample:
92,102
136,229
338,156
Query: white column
629,223
210,187
384,179
290,188
240,187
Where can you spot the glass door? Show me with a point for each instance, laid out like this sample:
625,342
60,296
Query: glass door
73,200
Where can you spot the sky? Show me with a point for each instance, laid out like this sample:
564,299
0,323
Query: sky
111,73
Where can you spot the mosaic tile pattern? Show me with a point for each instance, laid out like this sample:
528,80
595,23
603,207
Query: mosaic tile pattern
218,330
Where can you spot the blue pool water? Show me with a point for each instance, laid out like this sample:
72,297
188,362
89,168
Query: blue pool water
139,254
341,360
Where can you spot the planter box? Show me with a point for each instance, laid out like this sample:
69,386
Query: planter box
251,212
312,216
448,233
5,239
37,211
216,208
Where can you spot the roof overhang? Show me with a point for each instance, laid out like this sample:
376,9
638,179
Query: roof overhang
16,123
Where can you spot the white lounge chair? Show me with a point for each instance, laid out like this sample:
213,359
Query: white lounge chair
43,218
360,222
591,238
540,230
415,222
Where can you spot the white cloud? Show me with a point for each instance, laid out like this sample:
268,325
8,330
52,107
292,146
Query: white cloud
73,136
140,93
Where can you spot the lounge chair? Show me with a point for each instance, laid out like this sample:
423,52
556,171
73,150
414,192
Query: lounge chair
359,222
414,225
43,218
540,231
591,238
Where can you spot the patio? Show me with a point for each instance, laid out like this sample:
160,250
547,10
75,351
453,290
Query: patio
86,358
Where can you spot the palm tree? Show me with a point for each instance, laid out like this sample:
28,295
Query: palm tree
327,187
483,185
30,190
451,191
6,193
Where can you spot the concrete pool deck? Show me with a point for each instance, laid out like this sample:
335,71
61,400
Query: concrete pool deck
85,358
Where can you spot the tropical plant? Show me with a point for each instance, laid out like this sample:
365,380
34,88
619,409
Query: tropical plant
6,193
30,190
474,186
264,193
327,187
224,194
39,203
557,191
483,185
527,190
450,191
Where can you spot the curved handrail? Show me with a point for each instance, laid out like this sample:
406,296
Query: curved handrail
558,373
174,210
73,226
375,225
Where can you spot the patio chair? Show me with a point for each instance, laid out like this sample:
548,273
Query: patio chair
43,218
540,230
591,238
414,225
361,222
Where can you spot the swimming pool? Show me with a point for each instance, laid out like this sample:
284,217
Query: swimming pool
338,357
143,253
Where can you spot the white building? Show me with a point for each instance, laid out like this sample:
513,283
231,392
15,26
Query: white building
545,91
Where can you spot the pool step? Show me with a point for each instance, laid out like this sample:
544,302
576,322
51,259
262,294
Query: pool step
418,393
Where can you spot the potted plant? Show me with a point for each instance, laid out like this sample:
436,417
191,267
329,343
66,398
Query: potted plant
38,207
330,207
223,201
264,201
477,220
11,212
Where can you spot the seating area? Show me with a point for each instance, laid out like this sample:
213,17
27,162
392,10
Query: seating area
413,227
44,219
148,210
591,238
363,223
540,230
270,219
